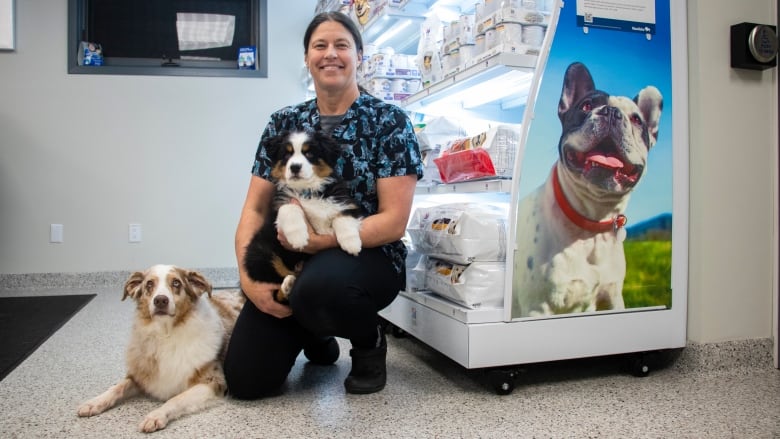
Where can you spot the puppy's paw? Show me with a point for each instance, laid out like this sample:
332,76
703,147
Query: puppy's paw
92,407
297,238
351,244
347,230
284,291
153,421
292,222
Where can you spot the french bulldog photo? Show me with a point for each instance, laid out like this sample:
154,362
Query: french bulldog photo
570,231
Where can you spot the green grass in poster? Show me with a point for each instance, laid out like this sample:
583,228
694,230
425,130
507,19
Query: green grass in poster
648,273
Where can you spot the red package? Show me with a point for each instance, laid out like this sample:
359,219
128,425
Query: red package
465,165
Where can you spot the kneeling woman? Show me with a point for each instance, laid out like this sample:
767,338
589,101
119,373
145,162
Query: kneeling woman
336,294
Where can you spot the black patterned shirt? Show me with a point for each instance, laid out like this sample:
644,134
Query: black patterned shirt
377,140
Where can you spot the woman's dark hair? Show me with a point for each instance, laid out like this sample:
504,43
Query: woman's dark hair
337,17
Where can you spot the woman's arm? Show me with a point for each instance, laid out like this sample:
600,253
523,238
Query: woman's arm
256,207
388,225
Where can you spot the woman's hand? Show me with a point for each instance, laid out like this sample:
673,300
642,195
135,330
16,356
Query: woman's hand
261,294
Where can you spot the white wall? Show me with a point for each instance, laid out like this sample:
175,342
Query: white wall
98,152
733,161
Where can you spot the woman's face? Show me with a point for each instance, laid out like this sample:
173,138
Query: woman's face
332,57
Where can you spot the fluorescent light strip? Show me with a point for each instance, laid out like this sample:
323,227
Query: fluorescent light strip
392,33
511,85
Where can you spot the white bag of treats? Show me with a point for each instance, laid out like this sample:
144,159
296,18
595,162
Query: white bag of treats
476,285
460,232
415,270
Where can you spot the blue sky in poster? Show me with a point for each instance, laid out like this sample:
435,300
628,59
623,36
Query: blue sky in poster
621,63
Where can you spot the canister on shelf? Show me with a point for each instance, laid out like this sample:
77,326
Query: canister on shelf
533,35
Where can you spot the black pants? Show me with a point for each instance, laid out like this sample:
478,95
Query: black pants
336,294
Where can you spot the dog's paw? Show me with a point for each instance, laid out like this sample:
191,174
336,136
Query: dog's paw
284,290
92,408
347,230
297,238
351,245
292,222
153,421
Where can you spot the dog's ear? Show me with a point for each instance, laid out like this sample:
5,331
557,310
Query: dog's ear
650,103
328,145
577,82
271,145
198,283
133,285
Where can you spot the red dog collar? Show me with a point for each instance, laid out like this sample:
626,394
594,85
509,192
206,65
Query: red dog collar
613,224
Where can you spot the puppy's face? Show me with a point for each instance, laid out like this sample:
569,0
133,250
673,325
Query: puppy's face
606,139
165,291
302,160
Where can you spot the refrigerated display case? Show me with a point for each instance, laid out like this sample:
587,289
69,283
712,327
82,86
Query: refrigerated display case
511,83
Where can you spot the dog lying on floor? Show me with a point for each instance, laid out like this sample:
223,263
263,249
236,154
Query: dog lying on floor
177,344
303,165
570,230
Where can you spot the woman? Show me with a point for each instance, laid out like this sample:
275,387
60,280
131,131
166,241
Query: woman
336,294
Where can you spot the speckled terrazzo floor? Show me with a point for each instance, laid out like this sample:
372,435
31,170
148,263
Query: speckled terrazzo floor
705,391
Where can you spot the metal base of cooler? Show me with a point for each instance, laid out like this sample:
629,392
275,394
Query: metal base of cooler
482,339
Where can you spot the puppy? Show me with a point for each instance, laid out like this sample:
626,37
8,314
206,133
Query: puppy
177,344
303,166
570,230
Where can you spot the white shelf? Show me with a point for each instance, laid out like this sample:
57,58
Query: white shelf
391,14
494,344
396,26
499,71
454,310
467,187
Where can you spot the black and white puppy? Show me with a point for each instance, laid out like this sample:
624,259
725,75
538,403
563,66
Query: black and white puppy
303,166
570,230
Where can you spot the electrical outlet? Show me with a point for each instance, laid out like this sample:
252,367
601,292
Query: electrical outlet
134,233
56,233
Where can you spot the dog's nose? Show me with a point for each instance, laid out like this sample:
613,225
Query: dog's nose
295,168
160,302
612,113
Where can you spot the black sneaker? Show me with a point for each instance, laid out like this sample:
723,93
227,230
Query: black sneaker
322,351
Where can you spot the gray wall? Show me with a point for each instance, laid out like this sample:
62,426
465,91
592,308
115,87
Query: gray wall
733,172
98,152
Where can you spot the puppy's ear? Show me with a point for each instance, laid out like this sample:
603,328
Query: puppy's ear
198,283
272,145
328,146
650,103
133,285
577,82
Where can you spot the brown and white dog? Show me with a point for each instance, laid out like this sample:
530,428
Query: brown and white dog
177,345
570,232
303,166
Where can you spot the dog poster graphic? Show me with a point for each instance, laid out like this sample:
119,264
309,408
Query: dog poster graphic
595,195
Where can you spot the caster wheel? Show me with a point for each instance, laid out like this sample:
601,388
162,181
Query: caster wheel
639,366
503,381
397,332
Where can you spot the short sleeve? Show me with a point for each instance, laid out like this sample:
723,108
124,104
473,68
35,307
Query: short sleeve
399,148
262,166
